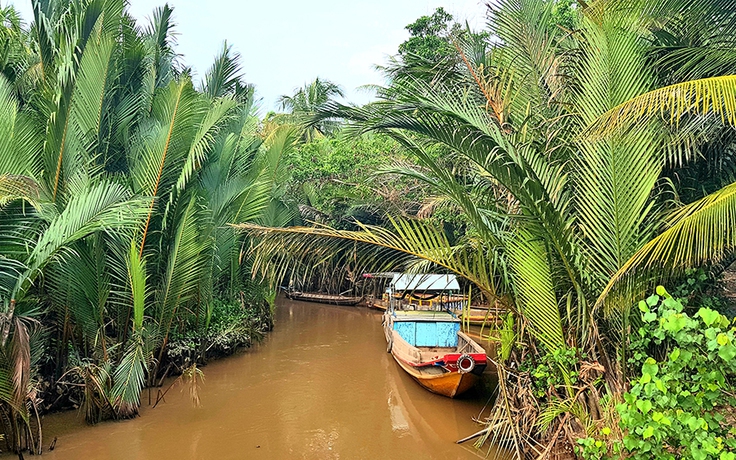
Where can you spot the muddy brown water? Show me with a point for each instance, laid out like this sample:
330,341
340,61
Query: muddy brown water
320,386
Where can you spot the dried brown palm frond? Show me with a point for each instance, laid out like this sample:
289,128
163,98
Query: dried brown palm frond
193,378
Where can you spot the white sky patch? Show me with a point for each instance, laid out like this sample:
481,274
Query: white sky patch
286,43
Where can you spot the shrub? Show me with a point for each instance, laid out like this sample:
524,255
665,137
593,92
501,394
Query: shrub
681,393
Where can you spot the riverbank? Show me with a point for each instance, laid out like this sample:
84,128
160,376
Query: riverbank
321,385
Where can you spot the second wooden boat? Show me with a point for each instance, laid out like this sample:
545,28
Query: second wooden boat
331,299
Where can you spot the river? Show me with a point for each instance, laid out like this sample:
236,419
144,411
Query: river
320,386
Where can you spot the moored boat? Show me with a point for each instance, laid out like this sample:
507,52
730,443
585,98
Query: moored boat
332,299
428,344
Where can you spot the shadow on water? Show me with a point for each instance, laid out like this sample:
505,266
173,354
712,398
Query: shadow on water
320,386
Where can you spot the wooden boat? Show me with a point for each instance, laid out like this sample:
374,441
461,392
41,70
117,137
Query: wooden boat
430,347
331,299
427,343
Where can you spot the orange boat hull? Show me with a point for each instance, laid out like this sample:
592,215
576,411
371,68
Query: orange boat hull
449,384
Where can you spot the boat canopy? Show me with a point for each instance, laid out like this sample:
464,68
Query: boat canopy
403,282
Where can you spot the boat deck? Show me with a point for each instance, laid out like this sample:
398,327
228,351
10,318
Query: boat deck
430,370
428,354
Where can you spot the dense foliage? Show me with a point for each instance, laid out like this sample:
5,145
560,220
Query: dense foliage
571,137
118,177
681,400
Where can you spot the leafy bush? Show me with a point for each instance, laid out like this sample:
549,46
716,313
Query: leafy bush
697,287
545,373
682,393
231,325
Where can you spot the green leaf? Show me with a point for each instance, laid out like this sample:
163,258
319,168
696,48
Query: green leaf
644,405
709,316
675,323
727,352
650,367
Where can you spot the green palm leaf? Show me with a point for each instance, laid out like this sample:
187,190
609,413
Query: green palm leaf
296,249
535,292
137,278
102,206
163,143
129,378
696,233
696,97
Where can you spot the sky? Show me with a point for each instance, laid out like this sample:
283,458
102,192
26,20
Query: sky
287,43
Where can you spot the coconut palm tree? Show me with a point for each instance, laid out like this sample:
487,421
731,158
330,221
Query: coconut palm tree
304,104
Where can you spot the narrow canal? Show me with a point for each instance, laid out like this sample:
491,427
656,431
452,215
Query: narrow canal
320,386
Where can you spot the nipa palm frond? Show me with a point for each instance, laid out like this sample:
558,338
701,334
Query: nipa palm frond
283,250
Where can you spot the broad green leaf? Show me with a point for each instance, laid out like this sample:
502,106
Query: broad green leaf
709,316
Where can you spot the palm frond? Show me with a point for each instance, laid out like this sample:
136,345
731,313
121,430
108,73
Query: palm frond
137,278
670,104
164,143
103,206
696,233
222,77
296,249
535,291
184,266
19,137
129,379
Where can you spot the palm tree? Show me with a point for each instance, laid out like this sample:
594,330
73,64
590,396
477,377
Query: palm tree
569,215
306,101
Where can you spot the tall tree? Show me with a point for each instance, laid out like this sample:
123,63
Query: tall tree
304,104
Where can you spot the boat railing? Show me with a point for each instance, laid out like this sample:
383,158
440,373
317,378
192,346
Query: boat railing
440,303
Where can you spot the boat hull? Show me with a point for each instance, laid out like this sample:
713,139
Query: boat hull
450,384
324,298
